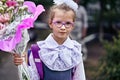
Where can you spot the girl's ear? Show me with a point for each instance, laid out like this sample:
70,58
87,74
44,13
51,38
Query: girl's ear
50,24
73,27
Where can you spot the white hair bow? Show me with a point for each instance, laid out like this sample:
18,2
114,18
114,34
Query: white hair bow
70,3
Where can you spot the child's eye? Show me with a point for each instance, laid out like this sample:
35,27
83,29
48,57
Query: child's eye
58,22
68,23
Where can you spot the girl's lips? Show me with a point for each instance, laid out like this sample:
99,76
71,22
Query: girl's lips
63,32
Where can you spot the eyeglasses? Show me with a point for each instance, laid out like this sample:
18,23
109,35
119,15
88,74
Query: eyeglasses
59,24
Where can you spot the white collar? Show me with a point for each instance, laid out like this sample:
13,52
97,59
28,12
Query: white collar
51,43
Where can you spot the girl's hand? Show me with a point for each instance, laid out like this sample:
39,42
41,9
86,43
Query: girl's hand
18,60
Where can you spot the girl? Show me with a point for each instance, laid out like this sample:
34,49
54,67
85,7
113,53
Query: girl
60,56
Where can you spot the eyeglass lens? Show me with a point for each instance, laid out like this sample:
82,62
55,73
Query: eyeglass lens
60,23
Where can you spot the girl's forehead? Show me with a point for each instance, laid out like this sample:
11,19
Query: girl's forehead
64,14
59,11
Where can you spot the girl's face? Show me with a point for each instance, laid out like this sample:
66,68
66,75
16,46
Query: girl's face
62,24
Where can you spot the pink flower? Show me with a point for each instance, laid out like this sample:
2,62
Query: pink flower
4,18
11,3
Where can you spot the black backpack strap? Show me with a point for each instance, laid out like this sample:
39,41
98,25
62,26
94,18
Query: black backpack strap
36,57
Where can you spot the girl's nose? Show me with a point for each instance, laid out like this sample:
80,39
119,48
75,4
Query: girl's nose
63,27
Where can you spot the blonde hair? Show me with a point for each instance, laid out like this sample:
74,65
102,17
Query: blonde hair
60,7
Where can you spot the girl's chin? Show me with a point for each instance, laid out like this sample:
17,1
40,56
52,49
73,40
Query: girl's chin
63,36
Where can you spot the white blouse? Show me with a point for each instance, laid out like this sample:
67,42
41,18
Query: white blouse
59,57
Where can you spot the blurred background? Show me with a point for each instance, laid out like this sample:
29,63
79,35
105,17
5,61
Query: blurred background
103,53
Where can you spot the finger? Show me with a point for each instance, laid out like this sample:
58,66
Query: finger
18,60
24,55
17,64
16,55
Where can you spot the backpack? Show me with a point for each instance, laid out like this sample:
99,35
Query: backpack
34,48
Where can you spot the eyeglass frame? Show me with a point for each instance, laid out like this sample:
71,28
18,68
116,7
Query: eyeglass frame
63,23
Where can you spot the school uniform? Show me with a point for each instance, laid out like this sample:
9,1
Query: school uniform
60,62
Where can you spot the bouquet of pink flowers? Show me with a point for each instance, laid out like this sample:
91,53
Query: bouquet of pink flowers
16,17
